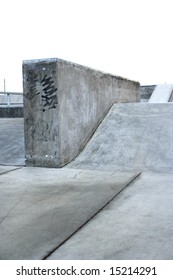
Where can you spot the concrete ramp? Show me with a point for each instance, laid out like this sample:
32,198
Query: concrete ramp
131,137
162,93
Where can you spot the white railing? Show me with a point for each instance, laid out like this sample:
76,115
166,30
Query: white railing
8,99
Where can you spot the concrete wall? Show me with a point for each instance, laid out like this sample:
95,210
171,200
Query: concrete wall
146,92
11,98
63,105
11,112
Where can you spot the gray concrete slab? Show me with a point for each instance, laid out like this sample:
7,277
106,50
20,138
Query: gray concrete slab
136,136
41,208
137,224
12,141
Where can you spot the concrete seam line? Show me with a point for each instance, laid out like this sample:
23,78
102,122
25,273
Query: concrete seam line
5,172
62,243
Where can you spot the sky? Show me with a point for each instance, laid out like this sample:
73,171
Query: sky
128,38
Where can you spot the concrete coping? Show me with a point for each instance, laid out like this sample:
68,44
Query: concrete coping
11,93
48,60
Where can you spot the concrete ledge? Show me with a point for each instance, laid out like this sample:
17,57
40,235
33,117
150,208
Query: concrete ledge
64,103
11,112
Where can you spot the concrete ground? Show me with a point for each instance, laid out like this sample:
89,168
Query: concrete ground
41,208
82,214
137,224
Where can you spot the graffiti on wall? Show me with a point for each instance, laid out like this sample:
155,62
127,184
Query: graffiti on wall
45,88
32,81
48,96
42,130
45,131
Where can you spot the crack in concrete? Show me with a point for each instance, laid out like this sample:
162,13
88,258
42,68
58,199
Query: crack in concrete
10,210
76,175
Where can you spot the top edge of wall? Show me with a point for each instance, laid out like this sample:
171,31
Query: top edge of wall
50,60
148,85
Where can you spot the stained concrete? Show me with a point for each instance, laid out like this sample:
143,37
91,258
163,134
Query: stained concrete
137,224
136,136
12,141
41,208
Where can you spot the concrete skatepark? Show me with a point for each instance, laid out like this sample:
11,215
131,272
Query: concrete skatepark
107,191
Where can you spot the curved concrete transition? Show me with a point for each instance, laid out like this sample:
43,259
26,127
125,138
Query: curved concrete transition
131,137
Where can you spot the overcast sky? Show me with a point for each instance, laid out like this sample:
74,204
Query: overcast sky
129,38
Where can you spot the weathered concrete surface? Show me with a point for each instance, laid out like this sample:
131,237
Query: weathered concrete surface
11,112
131,137
41,208
12,142
162,93
64,103
137,224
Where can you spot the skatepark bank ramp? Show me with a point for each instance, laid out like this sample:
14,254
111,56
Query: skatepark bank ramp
133,136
